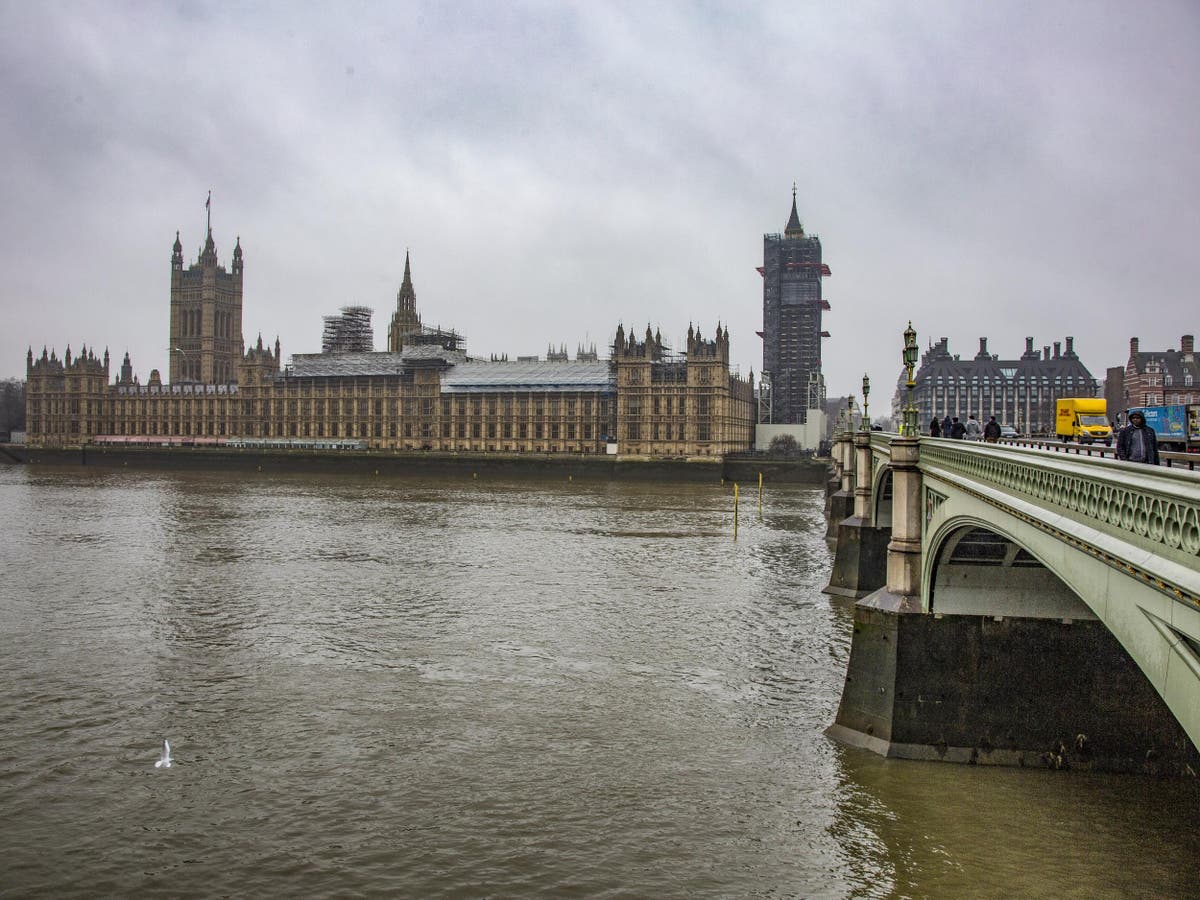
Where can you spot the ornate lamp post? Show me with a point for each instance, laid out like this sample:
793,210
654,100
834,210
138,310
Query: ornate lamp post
866,419
910,428
850,414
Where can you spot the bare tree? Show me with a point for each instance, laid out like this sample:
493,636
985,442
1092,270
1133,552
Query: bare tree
783,445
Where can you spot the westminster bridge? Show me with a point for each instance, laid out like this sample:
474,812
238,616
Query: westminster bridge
1016,605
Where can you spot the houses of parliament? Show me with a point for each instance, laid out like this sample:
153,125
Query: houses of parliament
423,393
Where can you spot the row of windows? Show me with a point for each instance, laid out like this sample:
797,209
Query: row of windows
362,407
961,380
191,323
1166,380
663,431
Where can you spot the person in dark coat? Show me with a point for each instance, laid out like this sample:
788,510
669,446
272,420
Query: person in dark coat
957,429
991,431
935,428
1136,442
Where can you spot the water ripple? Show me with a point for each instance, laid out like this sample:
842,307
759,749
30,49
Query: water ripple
398,687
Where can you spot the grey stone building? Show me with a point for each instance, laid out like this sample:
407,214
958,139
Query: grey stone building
1019,392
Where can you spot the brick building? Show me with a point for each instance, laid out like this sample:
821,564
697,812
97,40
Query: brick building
1160,377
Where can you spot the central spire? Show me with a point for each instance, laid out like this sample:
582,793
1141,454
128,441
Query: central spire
794,228
406,295
405,320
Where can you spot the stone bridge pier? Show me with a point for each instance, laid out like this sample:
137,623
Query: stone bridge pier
1002,617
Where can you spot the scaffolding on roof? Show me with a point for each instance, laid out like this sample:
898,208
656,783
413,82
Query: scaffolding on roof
425,336
349,332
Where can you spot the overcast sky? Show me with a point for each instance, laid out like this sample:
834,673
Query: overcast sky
1000,170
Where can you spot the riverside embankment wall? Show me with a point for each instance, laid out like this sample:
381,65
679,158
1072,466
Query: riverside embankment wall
802,471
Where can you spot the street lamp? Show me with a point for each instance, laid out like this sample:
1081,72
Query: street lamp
910,428
850,414
866,420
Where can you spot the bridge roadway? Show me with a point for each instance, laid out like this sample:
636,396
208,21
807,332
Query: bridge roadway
983,533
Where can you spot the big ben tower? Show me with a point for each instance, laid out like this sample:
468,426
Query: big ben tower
792,305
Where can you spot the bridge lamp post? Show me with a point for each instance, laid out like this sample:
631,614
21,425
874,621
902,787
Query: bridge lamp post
850,414
910,428
866,420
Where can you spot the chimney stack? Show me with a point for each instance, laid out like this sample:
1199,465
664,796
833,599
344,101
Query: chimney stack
1057,349
1133,346
1029,345
1070,346
1046,351
983,346
1187,345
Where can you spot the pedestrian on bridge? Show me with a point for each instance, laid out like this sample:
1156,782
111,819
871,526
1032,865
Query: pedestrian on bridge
1136,442
991,431
957,429
935,428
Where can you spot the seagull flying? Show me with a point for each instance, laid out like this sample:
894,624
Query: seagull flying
165,761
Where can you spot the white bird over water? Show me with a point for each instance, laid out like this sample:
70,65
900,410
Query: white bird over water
165,761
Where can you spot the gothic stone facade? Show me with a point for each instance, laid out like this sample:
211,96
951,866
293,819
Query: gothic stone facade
206,316
680,406
426,395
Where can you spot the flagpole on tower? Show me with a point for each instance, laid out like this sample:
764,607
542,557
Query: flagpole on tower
208,211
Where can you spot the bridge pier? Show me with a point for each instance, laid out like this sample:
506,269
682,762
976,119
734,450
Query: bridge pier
860,564
841,504
992,689
1016,692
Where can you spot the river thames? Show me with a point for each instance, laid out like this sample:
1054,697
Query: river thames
484,688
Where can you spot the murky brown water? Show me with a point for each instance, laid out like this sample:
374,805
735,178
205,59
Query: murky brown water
468,688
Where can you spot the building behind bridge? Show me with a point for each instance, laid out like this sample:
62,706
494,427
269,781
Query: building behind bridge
423,393
1020,392
1155,377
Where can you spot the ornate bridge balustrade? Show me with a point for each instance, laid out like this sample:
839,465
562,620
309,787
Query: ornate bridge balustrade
1028,574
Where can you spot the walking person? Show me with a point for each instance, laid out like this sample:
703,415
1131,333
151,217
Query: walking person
1136,442
973,430
957,429
991,431
935,428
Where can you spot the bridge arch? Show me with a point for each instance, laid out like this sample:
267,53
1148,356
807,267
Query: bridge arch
977,569
1160,634
881,497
